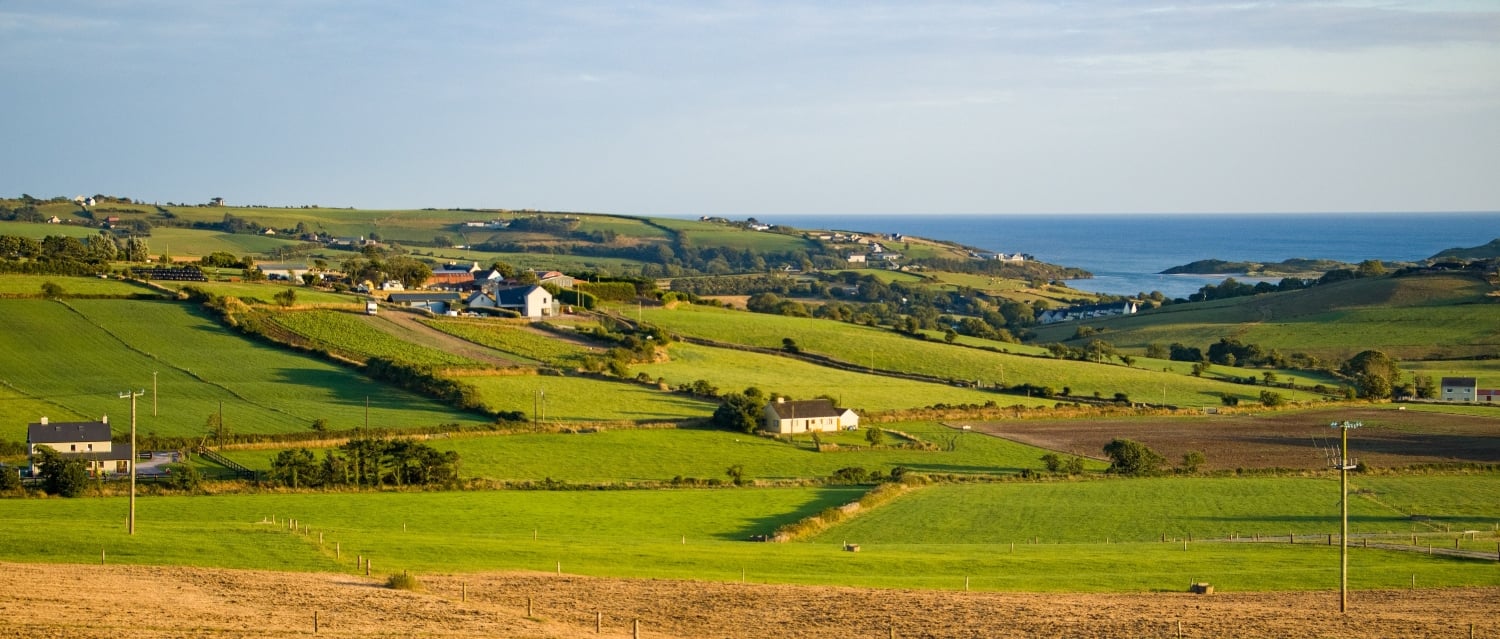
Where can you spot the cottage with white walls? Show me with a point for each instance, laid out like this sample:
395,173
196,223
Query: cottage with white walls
782,416
89,441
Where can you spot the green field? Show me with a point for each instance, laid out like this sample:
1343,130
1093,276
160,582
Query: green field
14,285
1145,509
70,361
884,349
679,534
734,371
515,339
347,332
628,455
585,399
265,293
1418,317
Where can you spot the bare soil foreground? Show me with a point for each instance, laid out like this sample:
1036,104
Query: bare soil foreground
143,601
1390,437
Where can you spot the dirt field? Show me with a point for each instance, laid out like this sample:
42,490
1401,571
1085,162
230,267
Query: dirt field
1389,438
138,601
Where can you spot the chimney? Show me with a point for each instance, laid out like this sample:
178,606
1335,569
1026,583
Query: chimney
104,419
44,420
780,399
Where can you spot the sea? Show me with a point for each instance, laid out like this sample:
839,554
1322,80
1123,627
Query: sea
1127,252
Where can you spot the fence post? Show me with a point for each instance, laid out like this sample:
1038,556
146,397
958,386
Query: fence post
101,556
464,595
315,622
528,607
635,629
598,622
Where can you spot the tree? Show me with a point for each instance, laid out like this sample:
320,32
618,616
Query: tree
286,297
65,477
10,479
295,467
185,477
1130,457
1271,399
739,412
790,345
1192,460
1424,386
875,436
736,474
1373,372
52,289
1371,268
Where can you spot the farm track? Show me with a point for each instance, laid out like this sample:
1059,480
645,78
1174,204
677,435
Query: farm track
53,600
408,327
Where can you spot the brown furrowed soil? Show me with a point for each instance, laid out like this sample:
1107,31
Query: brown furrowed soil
54,600
1389,437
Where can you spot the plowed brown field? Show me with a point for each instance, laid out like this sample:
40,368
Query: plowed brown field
143,601
1390,437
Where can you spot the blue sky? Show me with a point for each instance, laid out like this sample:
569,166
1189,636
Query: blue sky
748,108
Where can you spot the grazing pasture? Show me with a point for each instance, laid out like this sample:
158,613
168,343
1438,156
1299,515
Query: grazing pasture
554,399
734,371
69,361
530,345
1285,439
346,332
659,455
17,285
665,534
886,350
1144,510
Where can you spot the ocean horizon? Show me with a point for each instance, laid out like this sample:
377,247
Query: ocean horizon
1126,252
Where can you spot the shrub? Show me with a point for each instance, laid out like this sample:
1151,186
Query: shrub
403,581
1130,457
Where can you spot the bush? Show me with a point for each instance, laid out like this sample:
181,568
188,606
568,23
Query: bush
1129,457
403,581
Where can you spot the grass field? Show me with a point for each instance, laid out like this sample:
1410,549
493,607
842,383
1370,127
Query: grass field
585,399
39,230
350,333
662,454
682,534
514,339
1421,317
1138,510
884,349
265,293
16,285
734,371
70,362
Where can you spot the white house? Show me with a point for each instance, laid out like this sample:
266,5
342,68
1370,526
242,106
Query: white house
1088,311
283,270
88,441
1459,389
856,258
786,417
530,301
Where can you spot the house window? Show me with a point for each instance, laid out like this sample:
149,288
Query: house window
73,447
91,447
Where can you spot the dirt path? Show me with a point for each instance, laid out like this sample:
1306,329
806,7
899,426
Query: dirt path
408,327
44,600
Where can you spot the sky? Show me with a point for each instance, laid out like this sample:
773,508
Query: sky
758,108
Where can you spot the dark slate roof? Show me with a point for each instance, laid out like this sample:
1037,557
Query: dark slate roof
806,409
425,297
514,296
1460,381
116,451
67,432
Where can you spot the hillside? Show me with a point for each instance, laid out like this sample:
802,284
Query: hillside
1446,315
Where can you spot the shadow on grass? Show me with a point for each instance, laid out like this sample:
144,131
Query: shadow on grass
822,499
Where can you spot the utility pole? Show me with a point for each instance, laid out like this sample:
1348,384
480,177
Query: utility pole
153,393
1344,466
130,523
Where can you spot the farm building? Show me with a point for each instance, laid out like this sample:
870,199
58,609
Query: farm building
530,301
786,417
88,441
435,302
1459,389
555,278
282,270
453,275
